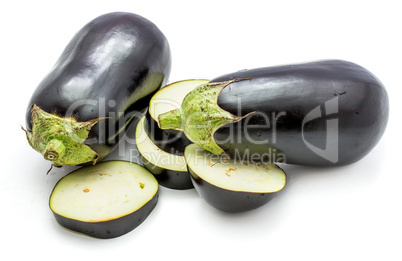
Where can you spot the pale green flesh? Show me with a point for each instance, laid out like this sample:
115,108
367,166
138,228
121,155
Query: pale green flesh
171,96
154,154
60,140
234,175
103,192
200,116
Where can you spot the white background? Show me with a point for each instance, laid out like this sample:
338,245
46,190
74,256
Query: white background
347,213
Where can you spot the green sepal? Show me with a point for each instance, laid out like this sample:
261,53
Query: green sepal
60,140
200,116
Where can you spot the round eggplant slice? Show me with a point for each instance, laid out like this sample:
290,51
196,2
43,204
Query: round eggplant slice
231,185
106,200
166,99
169,169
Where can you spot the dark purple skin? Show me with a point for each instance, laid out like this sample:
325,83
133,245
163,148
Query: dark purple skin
173,179
169,140
114,57
229,200
287,94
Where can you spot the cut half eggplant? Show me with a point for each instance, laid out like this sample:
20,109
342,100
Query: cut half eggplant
106,200
166,99
169,169
325,113
231,185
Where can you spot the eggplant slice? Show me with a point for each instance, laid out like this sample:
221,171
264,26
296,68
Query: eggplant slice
169,169
106,200
166,99
231,185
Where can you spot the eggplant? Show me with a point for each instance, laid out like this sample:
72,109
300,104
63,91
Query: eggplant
105,76
231,185
107,200
324,113
169,169
169,98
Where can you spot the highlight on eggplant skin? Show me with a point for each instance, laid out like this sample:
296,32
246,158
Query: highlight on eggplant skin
103,79
107,200
326,113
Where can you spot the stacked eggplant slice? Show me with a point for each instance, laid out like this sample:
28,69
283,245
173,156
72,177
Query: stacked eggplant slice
163,150
226,184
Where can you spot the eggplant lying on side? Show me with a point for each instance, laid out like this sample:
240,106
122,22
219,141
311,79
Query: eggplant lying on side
107,74
325,113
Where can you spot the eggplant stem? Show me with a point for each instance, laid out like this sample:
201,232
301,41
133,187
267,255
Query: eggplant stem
61,140
171,120
200,115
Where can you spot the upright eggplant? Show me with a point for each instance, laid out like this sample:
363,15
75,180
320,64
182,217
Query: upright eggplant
107,73
324,113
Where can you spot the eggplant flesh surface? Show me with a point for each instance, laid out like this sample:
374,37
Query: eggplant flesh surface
325,113
106,200
108,71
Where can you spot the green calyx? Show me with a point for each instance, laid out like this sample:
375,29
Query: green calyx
60,140
200,116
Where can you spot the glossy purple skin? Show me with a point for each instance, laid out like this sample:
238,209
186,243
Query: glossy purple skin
173,179
109,60
293,106
228,200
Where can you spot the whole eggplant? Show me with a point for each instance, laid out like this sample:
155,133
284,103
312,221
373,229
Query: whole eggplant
104,77
324,113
